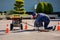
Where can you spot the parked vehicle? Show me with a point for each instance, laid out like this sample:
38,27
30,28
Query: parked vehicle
16,22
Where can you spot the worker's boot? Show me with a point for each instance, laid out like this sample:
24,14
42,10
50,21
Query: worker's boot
34,28
54,27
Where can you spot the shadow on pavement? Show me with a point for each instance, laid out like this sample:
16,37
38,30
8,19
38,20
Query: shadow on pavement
2,30
2,34
28,31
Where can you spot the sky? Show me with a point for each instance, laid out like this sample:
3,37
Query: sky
6,5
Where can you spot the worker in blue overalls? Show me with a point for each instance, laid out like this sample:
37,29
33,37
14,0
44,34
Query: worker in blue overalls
40,18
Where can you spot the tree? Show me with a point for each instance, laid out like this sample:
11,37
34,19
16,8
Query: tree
10,12
38,1
1,12
44,7
19,7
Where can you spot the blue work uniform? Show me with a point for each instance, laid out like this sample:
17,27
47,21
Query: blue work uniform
42,18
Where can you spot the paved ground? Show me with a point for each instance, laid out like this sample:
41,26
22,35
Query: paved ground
28,35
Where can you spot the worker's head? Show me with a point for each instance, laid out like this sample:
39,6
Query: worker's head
34,14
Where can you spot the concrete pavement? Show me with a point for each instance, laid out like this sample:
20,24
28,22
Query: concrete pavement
28,35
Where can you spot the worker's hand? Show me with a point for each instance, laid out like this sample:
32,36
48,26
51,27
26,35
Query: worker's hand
31,17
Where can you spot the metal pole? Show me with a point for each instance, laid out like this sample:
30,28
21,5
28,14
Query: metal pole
38,1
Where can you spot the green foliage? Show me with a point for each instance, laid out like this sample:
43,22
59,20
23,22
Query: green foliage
19,7
50,8
40,8
10,12
1,12
5,12
44,7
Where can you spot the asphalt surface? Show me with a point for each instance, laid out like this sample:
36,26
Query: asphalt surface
28,35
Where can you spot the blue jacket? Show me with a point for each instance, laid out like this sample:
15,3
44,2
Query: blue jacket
41,18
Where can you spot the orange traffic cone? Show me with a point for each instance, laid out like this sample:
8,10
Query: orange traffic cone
26,26
58,27
7,29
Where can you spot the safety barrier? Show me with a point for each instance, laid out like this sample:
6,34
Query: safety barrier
55,19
